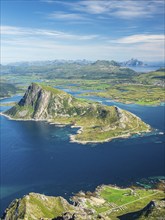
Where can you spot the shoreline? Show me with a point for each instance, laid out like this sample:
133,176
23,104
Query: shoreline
73,138
7,103
126,102
10,96
80,130
5,97
16,119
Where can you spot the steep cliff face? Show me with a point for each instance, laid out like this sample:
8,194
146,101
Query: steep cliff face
99,122
42,102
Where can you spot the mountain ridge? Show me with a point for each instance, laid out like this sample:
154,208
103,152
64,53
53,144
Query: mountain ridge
106,202
98,123
101,69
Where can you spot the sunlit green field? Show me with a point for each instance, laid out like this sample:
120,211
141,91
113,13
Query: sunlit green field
139,94
143,89
120,201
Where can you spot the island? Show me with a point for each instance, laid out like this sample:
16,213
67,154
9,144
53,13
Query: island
103,78
107,202
96,122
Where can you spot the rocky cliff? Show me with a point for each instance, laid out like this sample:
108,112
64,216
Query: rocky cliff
106,203
98,122
37,206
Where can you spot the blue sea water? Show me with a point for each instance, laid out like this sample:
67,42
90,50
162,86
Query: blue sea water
145,69
15,98
38,157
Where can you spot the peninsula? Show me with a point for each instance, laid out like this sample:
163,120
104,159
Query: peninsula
106,203
97,122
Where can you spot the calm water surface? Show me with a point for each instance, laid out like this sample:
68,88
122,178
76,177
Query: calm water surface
38,157
144,69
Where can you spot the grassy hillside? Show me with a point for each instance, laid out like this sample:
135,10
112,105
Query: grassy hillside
37,206
110,202
8,89
106,203
98,122
139,94
152,78
97,70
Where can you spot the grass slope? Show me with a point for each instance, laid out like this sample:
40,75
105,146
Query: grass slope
139,94
8,89
99,122
107,202
37,206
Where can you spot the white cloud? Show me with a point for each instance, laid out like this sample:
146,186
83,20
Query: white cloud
21,31
140,38
26,49
66,16
124,9
18,43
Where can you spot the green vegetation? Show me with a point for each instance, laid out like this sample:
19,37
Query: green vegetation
122,92
128,200
156,78
98,122
124,196
37,206
107,202
98,70
108,77
8,89
19,111
139,94
110,127
50,89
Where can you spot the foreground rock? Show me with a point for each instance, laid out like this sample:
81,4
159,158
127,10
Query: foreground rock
106,203
98,122
37,206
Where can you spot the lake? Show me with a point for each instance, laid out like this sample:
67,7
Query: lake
38,157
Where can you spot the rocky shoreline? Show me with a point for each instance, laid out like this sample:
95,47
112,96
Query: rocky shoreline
80,130
107,202
97,123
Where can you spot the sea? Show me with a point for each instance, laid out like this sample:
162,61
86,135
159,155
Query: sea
39,157
145,69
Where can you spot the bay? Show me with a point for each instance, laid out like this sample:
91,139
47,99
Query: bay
38,157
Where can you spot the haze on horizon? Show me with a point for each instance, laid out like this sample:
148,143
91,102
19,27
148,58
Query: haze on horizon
87,29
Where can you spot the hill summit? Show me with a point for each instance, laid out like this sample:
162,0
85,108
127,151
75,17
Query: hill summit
98,122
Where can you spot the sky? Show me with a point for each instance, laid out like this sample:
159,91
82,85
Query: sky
88,29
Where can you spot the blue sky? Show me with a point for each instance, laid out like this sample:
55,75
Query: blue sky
88,29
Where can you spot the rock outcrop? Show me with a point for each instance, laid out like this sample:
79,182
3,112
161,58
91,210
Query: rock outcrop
106,203
98,122
37,206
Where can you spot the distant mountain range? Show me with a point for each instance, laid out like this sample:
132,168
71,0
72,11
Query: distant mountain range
133,62
50,62
138,63
100,69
